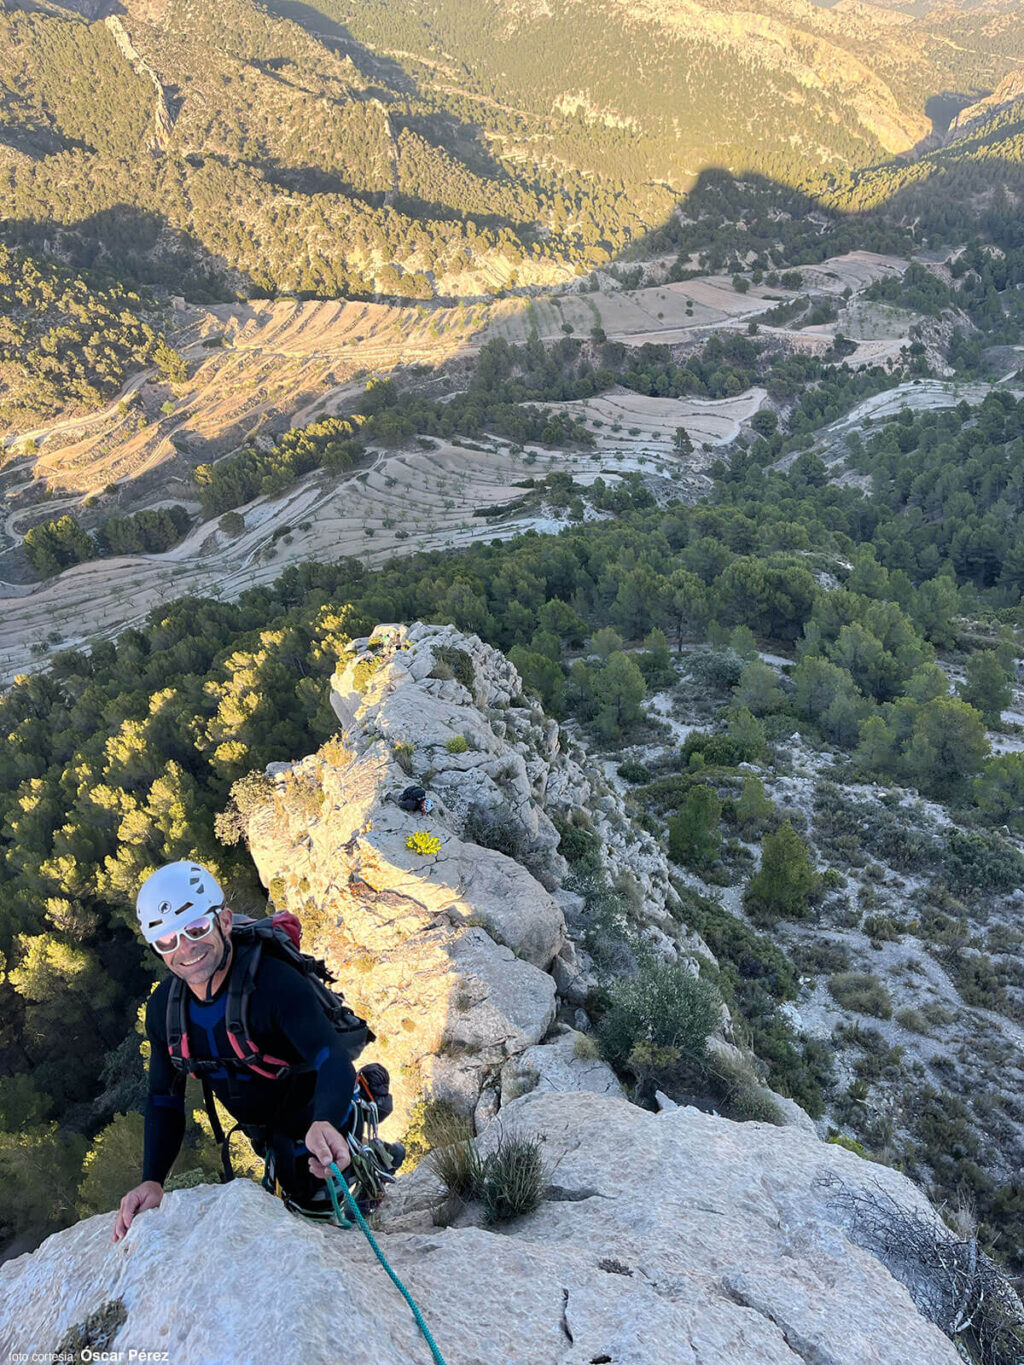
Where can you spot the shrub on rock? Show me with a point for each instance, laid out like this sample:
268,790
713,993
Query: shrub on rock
861,992
426,845
658,1023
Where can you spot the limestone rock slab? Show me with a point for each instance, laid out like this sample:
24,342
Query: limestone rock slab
671,1239
564,1063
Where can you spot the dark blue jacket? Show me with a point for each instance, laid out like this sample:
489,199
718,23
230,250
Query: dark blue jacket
285,1021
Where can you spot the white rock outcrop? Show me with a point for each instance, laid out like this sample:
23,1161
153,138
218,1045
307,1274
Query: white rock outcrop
666,1239
456,952
568,1061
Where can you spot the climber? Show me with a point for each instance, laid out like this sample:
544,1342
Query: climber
286,1077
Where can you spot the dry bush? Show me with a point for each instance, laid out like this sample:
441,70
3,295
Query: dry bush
513,1179
509,1182
950,1279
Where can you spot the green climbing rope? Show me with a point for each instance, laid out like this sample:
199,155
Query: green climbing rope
335,1182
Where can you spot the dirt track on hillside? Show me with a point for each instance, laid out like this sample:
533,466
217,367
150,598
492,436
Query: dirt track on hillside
268,364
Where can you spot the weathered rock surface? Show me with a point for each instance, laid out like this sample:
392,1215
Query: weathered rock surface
454,954
669,1239
568,1061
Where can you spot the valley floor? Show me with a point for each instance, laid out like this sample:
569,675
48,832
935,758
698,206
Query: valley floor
267,366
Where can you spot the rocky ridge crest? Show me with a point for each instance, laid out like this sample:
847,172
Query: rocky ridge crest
460,955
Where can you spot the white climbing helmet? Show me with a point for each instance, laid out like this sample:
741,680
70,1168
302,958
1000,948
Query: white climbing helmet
173,896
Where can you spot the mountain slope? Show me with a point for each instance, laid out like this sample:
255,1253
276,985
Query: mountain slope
453,148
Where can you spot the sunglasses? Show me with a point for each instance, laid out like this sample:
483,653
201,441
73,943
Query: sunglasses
199,928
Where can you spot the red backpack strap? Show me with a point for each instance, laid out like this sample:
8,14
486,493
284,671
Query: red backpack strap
177,1025
236,1014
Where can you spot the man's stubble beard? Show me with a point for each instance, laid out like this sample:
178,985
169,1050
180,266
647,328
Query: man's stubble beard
199,973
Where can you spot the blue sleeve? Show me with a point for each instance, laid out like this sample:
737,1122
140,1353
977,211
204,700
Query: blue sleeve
296,1015
165,1103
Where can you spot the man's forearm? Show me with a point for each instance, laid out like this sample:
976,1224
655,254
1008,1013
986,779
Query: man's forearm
335,1085
164,1130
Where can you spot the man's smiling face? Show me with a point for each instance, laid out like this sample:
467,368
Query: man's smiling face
196,960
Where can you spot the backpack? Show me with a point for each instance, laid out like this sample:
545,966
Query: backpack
280,935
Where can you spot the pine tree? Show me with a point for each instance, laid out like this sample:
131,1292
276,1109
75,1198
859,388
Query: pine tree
786,881
694,837
987,688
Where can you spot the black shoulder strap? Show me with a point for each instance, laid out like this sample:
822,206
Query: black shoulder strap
222,1139
240,987
177,1023
177,1042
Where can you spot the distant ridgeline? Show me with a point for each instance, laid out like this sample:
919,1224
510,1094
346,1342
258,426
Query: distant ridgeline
457,147
965,193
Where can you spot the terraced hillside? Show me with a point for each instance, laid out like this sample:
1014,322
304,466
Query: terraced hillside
257,369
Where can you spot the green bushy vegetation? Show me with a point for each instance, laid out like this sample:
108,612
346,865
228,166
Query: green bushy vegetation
66,341
862,993
55,545
694,837
755,977
460,663
330,444
657,1025
509,1182
786,881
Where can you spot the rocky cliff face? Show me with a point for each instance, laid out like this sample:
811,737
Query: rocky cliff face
1007,92
677,1238
673,1237
461,948
163,123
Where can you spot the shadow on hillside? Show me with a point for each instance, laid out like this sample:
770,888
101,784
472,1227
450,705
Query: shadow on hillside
90,10
443,129
943,109
337,37
293,179
137,247
735,221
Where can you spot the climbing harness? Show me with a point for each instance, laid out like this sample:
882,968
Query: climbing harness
278,936
374,1161
336,1183
361,1189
